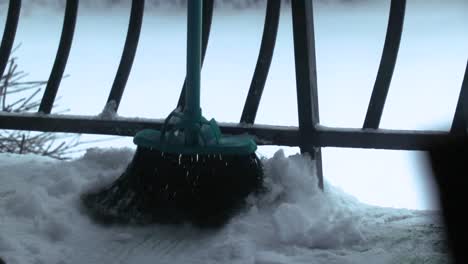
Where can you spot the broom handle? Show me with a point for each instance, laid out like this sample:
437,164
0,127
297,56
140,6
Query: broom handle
194,46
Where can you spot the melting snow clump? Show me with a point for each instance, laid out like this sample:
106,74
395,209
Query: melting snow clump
109,111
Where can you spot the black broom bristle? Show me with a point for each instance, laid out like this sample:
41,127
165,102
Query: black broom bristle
157,187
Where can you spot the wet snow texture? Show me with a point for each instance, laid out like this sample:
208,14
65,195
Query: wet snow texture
41,221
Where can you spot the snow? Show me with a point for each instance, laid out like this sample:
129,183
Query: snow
109,111
41,221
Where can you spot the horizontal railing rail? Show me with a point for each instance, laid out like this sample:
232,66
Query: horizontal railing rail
264,134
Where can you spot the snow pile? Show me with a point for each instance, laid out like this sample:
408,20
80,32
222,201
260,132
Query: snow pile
300,213
293,222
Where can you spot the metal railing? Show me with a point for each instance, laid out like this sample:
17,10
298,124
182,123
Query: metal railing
310,136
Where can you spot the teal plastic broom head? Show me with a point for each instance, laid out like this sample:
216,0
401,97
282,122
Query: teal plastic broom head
209,139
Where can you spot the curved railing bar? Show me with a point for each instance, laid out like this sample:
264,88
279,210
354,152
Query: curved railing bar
128,55
461,113
206,29
11,24
68,30
387,64
262,68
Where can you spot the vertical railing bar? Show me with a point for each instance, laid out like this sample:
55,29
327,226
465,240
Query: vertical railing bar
262,68
459,124
66,39
11,25
128,54
387,64
206,29
306,81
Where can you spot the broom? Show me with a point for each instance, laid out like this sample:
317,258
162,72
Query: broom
188,170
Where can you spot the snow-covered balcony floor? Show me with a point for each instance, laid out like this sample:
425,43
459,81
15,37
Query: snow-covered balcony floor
41,221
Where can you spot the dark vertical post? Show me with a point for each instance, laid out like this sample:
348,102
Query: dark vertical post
61,58
262,68
14,8
206,28
306,80
387,64
128,55
461,112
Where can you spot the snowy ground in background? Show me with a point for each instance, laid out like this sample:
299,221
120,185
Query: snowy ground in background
41,222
